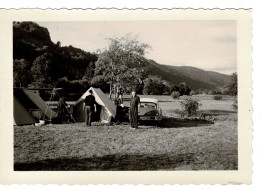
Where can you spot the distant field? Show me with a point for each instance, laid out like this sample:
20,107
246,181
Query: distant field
177,144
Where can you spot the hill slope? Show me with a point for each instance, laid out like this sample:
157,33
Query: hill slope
194,77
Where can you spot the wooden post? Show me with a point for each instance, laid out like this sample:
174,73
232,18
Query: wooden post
110,93
115,90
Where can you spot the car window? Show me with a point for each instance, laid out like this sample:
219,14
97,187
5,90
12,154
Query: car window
147,105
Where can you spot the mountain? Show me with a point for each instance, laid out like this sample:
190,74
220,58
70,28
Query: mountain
50,62
192,76
213,78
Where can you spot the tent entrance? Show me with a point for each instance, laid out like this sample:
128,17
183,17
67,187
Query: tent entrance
105,108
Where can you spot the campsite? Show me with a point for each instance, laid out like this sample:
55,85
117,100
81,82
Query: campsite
190,123
177,144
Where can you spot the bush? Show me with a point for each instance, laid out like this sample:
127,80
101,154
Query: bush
217,97
190,106
181,113
175,95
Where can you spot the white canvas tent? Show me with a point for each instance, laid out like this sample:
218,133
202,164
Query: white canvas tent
106,110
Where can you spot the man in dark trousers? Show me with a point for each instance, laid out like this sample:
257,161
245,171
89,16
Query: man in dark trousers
134,109
89,106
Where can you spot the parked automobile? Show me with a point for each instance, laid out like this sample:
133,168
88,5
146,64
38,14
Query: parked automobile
149,110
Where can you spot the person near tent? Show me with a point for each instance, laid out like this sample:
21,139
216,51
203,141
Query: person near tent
119,107
62,109
89,106
134,109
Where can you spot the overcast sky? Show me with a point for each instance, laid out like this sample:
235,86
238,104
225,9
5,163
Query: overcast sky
209,45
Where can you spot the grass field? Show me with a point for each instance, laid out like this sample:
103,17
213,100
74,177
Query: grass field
177,144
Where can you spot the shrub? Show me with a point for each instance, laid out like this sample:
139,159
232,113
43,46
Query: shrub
190,106
175,95
217,97
181,113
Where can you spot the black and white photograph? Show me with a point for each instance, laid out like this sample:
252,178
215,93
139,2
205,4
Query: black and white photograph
125,95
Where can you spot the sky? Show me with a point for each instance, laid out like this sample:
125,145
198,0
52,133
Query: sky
206,44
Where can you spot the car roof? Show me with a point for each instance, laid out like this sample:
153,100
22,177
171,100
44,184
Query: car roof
152,100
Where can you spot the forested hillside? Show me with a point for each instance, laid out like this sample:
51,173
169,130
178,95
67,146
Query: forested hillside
38,62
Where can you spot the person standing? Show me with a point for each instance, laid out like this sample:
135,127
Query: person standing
62,109
134,109
89,106
119,108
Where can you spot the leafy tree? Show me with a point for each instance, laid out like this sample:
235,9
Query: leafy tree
154,85
175,88
215,92
41,71
90,71
232,88
184,89
175,94
21,73
121,62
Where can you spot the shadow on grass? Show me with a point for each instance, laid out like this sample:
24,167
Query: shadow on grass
119,162
216,112
178,123
110,162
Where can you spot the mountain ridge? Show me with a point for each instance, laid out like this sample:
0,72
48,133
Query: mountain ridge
32,41
193,76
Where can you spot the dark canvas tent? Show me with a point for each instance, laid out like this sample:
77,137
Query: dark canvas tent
38,101
106,110
29,107
21,115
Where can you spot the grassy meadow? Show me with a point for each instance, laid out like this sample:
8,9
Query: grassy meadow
176,144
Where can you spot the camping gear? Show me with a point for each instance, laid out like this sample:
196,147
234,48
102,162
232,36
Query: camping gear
42,122
106,109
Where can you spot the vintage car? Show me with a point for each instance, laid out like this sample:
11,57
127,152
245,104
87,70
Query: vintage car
149,111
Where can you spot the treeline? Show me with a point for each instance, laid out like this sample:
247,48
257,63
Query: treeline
230,89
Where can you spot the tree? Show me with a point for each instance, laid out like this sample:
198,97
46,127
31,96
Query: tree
41,71
154,85
232,88
184,89
121,62
90,71
21,73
